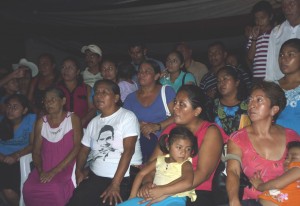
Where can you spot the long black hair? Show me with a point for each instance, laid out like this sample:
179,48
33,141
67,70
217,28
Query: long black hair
179,132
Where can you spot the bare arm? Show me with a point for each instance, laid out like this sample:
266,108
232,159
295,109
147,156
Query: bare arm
37,144
18,73
80,172
91,109
149,168
233,174
77,129
208,156
280,182
113,191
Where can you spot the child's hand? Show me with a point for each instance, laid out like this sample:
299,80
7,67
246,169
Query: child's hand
256,180
156,192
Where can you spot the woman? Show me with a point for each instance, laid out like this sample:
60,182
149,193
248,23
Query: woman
262,145
289,63
109,70
231,104
188,112
147,104
175,76
111,138
16,140
46,78
56,145
76,91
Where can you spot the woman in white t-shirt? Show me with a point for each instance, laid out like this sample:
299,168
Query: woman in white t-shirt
111,138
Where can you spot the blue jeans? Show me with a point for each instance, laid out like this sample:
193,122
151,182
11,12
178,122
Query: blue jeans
169,201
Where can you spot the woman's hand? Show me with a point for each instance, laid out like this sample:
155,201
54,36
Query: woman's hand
256,180
47,176
143,192
147,128
112,193
156,192
9,160
81,175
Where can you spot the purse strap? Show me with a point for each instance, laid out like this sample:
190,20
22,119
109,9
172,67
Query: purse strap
164,100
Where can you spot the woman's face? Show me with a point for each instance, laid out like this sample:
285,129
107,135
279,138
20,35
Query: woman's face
262,19
146,75
109,71
104,98
289,60
226,84
46,66
53,103
15,110
69,71
259,106
184,113
173,63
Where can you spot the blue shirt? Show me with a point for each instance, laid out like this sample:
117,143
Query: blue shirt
178,82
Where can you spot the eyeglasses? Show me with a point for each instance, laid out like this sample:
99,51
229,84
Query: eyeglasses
288,54
12,107
171,61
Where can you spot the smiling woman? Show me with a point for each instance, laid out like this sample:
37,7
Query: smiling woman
112,140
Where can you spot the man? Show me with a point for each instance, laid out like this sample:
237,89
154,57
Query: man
196,68
287,30
217,57
138,53
93,58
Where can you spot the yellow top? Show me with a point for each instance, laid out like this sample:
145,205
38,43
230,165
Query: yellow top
167,172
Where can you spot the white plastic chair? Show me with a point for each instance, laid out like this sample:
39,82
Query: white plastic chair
25,170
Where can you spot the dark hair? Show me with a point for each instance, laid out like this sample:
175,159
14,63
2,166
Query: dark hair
59,92
6,126
242,90
274,92
178,132
196,97
294,43
137,44
49,56
104,129
153,64
178,54
113,86
264,6
218,43
126,71
293,144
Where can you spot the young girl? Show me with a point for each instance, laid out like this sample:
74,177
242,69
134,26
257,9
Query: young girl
176,166
175,75
16,140
231,105
284,189
289,63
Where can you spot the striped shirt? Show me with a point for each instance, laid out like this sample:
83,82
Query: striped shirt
260,58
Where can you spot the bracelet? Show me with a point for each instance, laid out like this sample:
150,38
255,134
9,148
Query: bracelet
159,125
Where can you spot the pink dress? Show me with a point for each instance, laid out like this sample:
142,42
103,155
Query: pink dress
252,162
57,143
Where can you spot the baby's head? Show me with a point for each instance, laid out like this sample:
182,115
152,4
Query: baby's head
293,153
180,144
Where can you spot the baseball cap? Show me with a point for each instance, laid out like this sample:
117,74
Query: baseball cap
93,48
32,66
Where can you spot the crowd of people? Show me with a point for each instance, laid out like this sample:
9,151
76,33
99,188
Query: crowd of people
168,121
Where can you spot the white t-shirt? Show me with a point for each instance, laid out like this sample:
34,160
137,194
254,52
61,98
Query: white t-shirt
278,36
90,78
105,138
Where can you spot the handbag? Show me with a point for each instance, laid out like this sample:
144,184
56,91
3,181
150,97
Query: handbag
219,180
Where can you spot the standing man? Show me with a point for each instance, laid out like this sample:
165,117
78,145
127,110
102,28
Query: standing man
196,68
93,58
287,30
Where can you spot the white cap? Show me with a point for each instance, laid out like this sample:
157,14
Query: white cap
93,48
28,64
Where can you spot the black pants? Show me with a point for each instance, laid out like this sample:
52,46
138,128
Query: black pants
204,198
88,192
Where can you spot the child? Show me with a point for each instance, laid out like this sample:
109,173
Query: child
176,166
284,189
289,63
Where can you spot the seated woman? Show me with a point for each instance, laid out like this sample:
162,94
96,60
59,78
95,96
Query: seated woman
112,139
262,145
148,105
175,74
189,112
76,91
56,144
16,140
231,105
